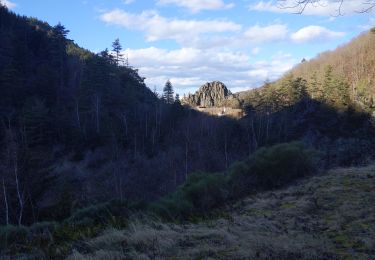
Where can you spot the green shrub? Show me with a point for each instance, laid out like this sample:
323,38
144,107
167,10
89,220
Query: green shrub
12,236
350,152
240,180
175,206
267,168
42,235
201,193
282,163
205,191
43,227
102,213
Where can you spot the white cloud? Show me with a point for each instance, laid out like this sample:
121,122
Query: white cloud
258,34
211,49
8,3
156,27
202,34
189,68
315,33
198,5
322,7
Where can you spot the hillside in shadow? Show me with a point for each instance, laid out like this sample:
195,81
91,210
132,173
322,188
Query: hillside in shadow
79,129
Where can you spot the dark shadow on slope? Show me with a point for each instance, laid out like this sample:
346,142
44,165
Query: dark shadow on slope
345,135
80,130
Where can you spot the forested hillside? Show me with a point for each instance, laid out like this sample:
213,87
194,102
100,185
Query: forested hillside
352,63
79,128
57,99
340,78
326,101
86,146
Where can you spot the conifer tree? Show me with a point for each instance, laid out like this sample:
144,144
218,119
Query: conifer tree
177,99
117,48
298,90
328,84
168,93
107,56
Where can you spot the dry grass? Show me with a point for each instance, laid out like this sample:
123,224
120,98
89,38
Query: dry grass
330,216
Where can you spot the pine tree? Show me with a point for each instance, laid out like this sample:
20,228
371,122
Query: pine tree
328,86
315,87
286,89
177,99
60,31
340,93
117,48
107,56
168,93
298,90
155,92
59,56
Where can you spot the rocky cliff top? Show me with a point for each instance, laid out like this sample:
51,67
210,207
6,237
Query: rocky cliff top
211,94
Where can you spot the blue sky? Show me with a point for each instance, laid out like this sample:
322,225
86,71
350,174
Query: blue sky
190,42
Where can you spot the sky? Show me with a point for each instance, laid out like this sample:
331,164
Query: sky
242,43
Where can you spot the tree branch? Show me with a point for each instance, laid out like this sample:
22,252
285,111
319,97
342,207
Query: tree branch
364,6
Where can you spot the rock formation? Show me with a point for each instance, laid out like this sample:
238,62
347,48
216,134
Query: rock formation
211,94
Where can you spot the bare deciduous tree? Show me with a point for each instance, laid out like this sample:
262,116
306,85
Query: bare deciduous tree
6,204
301,5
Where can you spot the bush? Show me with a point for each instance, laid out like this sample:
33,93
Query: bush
201,193
173,207
43,227
267,168
13,236
205,191
350,152
282,163
42,234
99,214
240,180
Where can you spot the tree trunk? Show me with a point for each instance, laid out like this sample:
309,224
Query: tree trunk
97,111
226,150
6,204
19,196
126,125
77,114
135,145
186,159
254,134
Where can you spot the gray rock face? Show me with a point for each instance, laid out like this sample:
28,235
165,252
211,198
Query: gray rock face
212,94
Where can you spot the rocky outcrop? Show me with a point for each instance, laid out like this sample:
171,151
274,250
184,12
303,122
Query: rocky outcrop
211,94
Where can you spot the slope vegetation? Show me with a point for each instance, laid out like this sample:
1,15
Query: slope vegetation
328,216
340,78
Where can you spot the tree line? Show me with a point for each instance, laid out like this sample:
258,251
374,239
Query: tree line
78,128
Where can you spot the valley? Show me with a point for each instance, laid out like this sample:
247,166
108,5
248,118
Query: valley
94,164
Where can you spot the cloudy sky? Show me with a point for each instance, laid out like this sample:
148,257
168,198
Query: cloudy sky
240,42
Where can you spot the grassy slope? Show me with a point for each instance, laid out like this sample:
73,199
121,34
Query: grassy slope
329,216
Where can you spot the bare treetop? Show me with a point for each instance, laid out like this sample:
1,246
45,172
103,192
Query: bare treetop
301,5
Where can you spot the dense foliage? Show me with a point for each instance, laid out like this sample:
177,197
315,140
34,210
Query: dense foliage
198,197
339,78
79,129
267,168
